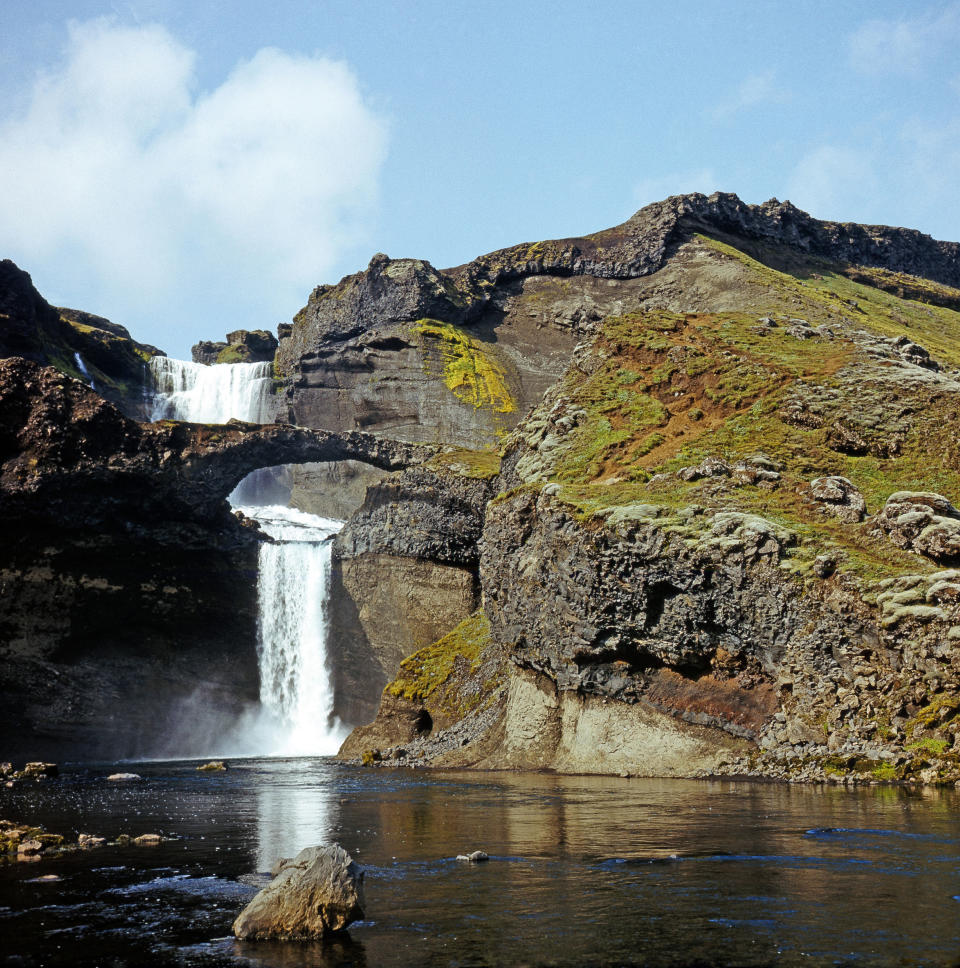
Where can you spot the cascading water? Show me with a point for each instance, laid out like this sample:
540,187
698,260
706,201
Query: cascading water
210,394
82,367
293,590
296,692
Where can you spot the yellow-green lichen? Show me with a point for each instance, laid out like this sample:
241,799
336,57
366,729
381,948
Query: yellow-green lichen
470,370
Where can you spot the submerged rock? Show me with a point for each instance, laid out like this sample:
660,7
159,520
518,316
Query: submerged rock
475,857
316,894
124,777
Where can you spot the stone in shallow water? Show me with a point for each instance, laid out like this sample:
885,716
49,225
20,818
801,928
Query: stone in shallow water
476,857
316,894
124,777
214,766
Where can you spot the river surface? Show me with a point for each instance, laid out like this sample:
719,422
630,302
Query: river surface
583,870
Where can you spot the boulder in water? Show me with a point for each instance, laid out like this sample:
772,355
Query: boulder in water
214,766
124,777
314,895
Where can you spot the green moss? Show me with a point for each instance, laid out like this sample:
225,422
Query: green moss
424,672
469,369
885,772
928,745
478,464
234,353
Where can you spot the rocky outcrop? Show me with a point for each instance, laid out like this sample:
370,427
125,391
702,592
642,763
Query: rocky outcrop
77,343
927,524
241,346
678,574
404,573
317,893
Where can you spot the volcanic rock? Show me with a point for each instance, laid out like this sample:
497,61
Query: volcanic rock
314,895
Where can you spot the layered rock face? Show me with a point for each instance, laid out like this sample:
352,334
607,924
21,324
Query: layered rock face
724,540
404,574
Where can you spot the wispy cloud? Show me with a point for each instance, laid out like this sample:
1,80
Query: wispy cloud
906,45
157,189
753,90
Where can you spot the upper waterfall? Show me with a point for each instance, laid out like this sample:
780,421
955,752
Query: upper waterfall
198,393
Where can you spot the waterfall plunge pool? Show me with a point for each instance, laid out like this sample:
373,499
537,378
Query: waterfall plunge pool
583,871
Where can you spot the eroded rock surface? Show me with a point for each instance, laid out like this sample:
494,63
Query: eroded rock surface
317,893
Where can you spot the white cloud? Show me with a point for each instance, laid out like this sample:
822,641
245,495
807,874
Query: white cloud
753,90
658,187
120,166
905,46
834,183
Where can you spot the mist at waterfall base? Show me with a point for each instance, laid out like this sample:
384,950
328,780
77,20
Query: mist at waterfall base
295,714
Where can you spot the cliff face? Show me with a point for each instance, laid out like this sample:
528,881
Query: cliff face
78,344
724,540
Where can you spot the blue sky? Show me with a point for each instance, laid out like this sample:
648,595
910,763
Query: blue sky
190,168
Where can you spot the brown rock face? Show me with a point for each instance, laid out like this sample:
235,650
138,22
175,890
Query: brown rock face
314,895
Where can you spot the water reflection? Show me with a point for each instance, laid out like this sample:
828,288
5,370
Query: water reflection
584,870
297,809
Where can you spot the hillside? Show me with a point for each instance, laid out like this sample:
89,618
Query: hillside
724,540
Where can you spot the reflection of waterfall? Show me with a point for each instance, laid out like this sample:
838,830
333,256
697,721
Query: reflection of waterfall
296,808
293,590
210,394
82,367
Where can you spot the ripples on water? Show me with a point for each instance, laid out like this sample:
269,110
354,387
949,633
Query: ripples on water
584,870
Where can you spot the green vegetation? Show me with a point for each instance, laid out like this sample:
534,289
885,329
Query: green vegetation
667,390
234,353
469,369
479,464
454,675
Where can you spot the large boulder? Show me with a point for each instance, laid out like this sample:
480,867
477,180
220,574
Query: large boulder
922,522
840,497
314,895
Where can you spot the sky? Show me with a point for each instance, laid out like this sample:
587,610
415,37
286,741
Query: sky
187,169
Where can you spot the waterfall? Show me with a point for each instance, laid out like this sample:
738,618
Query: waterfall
82,367
293,584
293,591
210,394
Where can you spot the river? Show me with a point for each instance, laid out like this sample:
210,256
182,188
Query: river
583,870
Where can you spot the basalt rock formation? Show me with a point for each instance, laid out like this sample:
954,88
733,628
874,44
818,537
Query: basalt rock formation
241,346
725,538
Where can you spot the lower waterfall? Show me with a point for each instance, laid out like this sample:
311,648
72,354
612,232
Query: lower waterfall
293,588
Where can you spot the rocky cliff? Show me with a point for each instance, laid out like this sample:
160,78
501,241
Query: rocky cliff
724,540
90,348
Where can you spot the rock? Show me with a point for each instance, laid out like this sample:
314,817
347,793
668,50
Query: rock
28,848
840,497
90,841
711,467
147,840
40,769
242,346
316,894
824,566
476,857
214,766
124,777
922,522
